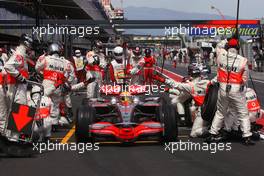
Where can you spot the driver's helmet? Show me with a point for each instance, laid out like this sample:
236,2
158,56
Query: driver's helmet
125,98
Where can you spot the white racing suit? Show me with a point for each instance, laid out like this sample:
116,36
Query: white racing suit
70,79
102,64
232,76
177,99
79,67
96,71
138,77
197,90
118,71
253,106
3,98
16,68
43,113
53,68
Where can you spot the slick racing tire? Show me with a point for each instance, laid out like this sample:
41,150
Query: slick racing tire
85,101
209,107
85,117
160,109
170,119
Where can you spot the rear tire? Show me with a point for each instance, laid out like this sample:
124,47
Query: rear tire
85,117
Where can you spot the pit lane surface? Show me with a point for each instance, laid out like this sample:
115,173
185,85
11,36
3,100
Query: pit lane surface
140,159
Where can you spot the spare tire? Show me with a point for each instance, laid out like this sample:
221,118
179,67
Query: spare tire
209,107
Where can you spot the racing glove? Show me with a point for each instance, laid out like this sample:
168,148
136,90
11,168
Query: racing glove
170,82
65,88
21,79
214,81
96,60
134,71
90,80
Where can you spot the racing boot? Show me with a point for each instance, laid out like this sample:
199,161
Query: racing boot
46,140
255,136
214,138
247,141
235,135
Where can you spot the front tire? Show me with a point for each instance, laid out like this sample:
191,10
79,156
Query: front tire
85,117
209,106
170,121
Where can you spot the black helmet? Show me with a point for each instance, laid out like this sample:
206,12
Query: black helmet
54,48
137,51
196,70
147,52
98,45
26,40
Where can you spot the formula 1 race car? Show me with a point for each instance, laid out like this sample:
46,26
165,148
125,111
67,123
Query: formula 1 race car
126,116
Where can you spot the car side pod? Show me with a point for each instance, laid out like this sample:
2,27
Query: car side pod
209,107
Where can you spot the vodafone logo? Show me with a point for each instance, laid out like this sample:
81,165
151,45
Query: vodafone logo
54,74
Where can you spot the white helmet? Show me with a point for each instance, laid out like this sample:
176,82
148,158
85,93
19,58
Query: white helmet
35,89
118,53
35,94
77,53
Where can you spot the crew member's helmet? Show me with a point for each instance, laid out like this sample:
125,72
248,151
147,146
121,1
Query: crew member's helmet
26,40
147,52
98,46
137,52
196,70
78,53
35,93
233,43
54,48
118,53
